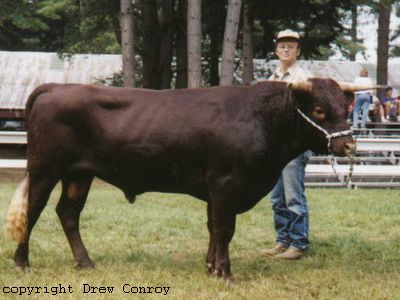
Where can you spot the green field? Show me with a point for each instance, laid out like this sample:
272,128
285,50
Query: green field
161,241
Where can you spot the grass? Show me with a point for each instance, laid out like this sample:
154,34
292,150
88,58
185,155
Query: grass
161,240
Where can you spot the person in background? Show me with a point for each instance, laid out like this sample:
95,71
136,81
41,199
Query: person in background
398,108
387,102
289,203
362,99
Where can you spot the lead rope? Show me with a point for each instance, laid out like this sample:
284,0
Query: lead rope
349,183
333,160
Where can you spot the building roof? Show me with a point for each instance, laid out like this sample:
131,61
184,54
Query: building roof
21,72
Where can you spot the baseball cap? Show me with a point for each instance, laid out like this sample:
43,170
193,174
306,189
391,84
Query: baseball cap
287,34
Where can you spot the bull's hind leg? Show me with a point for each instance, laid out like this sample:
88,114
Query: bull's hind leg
72,201
39,192
212,246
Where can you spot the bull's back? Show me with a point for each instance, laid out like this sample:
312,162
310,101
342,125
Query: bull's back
132,114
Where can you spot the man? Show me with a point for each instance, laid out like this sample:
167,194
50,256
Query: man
288,199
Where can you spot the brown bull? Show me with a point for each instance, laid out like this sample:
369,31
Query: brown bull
223,145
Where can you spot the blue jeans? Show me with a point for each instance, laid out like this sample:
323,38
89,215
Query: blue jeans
289,205
361,105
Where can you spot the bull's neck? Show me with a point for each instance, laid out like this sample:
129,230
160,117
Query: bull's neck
284,127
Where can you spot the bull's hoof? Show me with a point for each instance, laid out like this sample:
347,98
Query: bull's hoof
210,268
84,265
24,269
22,265
228,278
217,273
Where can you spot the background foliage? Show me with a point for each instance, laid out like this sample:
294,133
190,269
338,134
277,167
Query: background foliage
92,26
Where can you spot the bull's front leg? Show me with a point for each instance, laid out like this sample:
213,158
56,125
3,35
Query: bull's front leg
224,193
224,228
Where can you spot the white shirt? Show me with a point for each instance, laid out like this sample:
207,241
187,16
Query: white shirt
294,73
363,81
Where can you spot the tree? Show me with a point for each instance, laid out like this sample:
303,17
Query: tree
181,46
350,47
151,43
128,68
396,35
319,22
94,26
25,25
247,45
229,45
194,43
213,38
158,36
167,31
91,27
383,42
353,30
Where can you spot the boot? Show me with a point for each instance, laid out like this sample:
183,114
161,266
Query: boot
291,253
278,248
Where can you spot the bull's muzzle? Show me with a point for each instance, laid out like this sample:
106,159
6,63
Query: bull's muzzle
350,148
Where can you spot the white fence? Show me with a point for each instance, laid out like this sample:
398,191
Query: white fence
377,163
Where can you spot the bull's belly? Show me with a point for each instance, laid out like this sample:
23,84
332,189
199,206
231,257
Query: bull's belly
135,179
133,182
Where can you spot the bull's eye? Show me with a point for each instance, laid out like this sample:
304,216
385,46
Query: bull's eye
318,114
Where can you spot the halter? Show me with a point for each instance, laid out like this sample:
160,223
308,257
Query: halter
329,137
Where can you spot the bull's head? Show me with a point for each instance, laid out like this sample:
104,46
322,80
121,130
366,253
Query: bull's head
323,105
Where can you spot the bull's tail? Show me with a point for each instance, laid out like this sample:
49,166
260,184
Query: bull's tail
16,219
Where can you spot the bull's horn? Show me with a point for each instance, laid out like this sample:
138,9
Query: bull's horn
351,87
303,85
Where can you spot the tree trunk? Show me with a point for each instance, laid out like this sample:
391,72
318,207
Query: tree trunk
167,39
127,43
194,43
181,47
229,46
83,6
214,15
151,45
383,44
353,31
247,46
215,46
